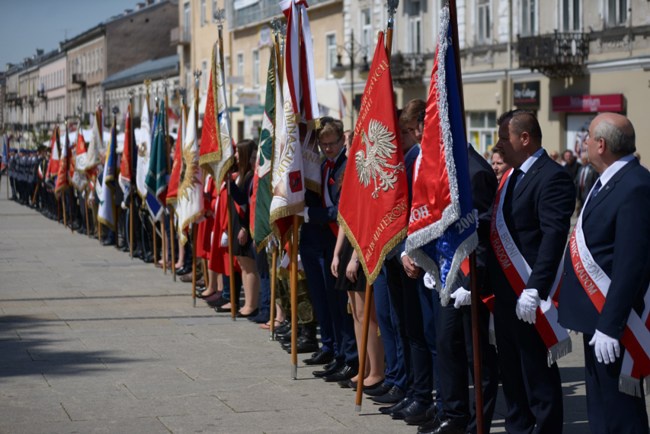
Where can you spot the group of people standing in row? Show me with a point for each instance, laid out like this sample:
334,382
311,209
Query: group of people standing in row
533,285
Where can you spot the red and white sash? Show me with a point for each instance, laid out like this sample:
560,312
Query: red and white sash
636,336
517,271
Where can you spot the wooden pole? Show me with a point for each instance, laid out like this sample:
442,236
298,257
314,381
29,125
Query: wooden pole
163,241
231,260
363,354
294,297
65,214
274,275
133,181
155,243
172,237
85,199
476,344
194,238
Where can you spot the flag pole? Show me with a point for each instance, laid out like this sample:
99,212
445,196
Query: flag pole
133,181
391,5
476,344
272,313
231,264
172,230
163,222
197,75
364,345
294,298
194,238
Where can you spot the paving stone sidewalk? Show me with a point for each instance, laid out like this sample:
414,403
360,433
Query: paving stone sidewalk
94,342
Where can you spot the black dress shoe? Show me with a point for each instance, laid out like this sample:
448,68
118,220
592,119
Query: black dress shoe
328,369
418,419
379,390
396,406
448,426
303,345
429,425
246,315
415,410
395,394
348,384
183,271
345,373
320,357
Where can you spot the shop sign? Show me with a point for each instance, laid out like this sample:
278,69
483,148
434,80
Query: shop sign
526,94
589,103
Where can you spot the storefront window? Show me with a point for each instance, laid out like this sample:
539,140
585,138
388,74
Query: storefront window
482,130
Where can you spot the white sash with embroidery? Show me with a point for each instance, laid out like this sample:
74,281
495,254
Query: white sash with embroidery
517,271
636,336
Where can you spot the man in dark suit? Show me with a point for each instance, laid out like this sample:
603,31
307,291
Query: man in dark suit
530,223
318,238
608,254
587,176
454,326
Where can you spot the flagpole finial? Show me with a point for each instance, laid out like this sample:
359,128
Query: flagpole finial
220,17
391,5
197,78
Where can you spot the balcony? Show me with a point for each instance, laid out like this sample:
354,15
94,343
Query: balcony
554,55
408,69
77,78
180,36
258,11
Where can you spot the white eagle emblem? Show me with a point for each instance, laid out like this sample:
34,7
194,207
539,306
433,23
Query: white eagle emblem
373,163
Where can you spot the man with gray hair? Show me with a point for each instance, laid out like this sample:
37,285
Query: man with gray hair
606,277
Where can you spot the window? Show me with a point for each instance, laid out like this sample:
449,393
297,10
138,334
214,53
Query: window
366,28
484,25
187,20
204,75
570,15
203,13
528,17
256,68
482,130
616,12
330,50
415,34
240,64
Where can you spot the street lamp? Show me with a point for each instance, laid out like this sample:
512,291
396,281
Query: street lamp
352,48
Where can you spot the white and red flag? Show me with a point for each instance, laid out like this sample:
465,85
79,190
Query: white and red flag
442,225
373,207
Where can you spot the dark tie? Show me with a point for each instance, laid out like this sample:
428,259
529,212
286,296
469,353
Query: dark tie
512,183
596,189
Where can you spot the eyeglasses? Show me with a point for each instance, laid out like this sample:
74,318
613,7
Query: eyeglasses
329,144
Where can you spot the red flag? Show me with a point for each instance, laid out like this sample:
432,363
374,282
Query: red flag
177,168
53,164
63,176
126,164
373,208
216,154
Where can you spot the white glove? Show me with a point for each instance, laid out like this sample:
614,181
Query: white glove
429,281
224,240
123,205
607,349
462,296
305,214
527,305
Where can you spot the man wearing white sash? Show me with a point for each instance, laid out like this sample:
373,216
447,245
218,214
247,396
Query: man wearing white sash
530,224
604,291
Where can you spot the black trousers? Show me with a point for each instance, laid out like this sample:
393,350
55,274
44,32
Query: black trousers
456,360
608,410
533,390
